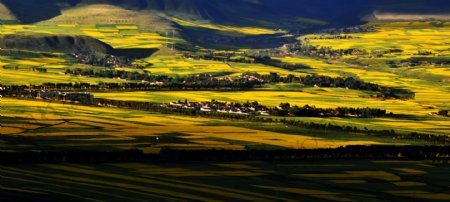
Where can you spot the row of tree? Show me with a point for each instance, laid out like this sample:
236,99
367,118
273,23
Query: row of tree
326,81
194,82
434,153
285,109
444,112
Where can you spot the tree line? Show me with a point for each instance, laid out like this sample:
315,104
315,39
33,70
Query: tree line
199,81
341,82
285,109
434,153
194,82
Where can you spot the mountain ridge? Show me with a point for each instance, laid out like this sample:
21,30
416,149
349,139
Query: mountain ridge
232,11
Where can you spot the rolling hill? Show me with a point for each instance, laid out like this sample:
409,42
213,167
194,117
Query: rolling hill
110,14
339,12
54,43
214,22
5,13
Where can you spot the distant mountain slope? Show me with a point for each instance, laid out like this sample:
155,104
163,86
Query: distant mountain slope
35,10
339,12
386,16
296,16
5,13
110,14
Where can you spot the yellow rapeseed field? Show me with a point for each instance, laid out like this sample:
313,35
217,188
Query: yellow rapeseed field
95,125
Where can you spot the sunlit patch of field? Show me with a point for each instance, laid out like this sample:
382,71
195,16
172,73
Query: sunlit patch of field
225,28
433,96
20,70
409,184
10,130
423,195
118,36
27,63
179,66
342,69
309,192
26,76
70,126
318,66
231,181
443,71
426,82
411,37
410,171
2,63
174,65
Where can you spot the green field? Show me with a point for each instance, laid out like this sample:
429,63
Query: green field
335,180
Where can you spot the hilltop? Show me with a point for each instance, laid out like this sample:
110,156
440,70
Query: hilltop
5,13
111,14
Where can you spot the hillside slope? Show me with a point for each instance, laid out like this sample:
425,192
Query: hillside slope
5,13
54,43
109,14
340,12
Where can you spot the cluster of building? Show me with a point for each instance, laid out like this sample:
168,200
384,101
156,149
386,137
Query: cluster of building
106,61
222,107
250,77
